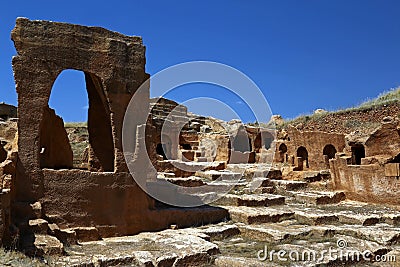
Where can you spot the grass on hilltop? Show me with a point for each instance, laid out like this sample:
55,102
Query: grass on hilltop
75,124
386,98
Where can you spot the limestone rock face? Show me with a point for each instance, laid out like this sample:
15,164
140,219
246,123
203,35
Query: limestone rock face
55,150
7,111
277,119
384,140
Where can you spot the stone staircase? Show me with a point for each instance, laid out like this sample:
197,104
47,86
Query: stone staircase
300,215
294,216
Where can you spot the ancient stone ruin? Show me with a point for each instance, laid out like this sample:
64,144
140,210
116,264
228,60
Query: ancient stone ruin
47,193
7,111
298,186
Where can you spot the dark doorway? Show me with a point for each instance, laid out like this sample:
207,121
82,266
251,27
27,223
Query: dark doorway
330,151
268,138
282,148
282,151
160,149
357,153
396,159
303,153
186,146
257,143
3,154
242,142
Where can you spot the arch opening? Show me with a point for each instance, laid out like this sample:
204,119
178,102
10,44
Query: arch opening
303,153
330,151
242,142
268,139
282,148
282,151
357,153
83,139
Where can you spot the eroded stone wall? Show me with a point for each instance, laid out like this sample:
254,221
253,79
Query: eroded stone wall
312,143
104,199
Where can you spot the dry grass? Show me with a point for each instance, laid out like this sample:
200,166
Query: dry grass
75,124
14,258
386,98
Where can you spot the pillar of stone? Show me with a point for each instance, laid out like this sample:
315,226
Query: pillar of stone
300,163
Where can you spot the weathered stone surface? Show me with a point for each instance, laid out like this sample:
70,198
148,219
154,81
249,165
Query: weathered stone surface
47,245
380,233
320,198
226,261
251,200
313,142
55,150
223,175
276,232
39,226
252,215
191,181
220,231
368,182
314,216
7,111
165,248
363,219
290,185
84,234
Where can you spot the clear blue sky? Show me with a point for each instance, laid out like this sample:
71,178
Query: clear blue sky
302,54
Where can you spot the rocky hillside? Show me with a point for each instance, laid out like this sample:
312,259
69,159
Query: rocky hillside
364,117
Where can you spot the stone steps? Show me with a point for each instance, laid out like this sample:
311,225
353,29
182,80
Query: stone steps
383,234
275,232
251,200
315,247
164,248
288,185
190,181
319,198
252,215
223,175
214,232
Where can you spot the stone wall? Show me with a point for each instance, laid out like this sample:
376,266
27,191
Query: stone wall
367,183
7,111
5,213
376,177
312,143
105,198
385,140
112,203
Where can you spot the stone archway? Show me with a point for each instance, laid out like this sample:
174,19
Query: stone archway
55,145
282,151
268,138
242,142
330,151
113,73
303,154
357,153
